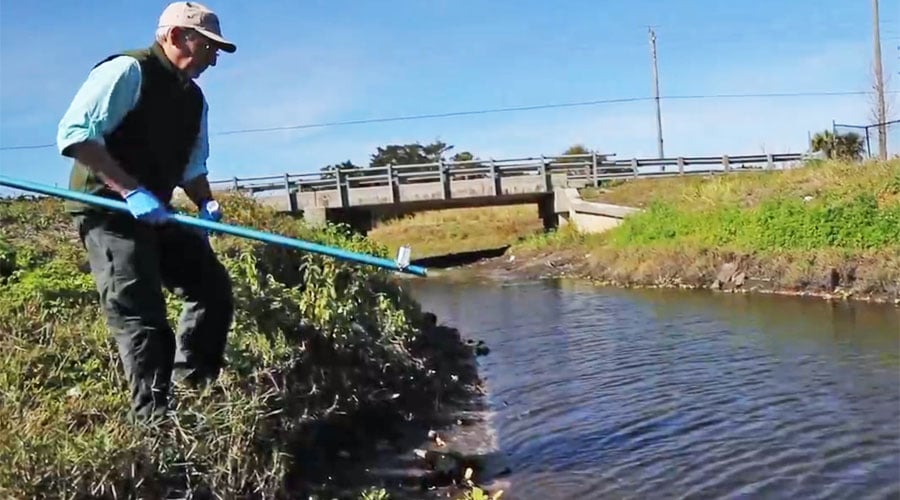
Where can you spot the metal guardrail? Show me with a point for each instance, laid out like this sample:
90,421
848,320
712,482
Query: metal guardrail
586,169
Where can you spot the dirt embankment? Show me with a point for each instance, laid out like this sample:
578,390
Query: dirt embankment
827,277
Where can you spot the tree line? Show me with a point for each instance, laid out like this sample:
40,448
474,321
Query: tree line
844,146
417,153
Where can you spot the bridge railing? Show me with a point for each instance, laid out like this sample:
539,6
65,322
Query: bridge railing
578,168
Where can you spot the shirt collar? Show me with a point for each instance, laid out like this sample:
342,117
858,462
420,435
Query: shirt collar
160,54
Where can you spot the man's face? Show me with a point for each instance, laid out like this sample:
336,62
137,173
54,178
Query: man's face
201,51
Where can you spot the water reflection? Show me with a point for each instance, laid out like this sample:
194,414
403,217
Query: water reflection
610,393
783,320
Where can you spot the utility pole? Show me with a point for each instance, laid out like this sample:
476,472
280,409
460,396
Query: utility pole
879,86
656,90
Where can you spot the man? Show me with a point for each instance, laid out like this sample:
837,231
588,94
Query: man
136,130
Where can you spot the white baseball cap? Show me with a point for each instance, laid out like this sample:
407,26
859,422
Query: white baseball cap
198,17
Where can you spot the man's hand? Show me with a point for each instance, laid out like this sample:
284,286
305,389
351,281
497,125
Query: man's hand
145,207
211,211
197,189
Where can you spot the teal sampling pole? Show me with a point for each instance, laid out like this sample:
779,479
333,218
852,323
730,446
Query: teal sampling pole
240,231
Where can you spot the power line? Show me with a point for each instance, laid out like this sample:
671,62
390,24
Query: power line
436,115
537,107
507,110
33,146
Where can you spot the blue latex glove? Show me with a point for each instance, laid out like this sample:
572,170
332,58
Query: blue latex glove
145,207
211,211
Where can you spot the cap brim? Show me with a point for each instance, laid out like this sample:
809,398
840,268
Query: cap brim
221,42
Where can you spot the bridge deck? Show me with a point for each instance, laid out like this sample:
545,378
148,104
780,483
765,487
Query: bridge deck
477,182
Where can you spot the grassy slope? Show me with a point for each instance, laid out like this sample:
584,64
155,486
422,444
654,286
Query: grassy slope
803,229
459,230
749,189
315,343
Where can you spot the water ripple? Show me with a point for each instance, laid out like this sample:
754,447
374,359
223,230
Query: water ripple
630,395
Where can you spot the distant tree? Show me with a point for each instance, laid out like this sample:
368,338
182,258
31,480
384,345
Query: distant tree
435,151
328,171
578,149
466,160
463,156
847,146
402,154
408,154
585,160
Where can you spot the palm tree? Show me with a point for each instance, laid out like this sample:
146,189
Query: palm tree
847,146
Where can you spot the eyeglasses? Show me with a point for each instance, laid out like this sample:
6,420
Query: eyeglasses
206,43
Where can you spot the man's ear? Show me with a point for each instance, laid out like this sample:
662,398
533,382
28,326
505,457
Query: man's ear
178,36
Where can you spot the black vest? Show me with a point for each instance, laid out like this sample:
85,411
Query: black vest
153,143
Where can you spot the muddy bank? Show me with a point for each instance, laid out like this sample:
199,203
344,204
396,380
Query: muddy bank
874,278
424,453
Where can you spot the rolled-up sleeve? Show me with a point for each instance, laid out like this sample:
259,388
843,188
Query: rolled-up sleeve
110,91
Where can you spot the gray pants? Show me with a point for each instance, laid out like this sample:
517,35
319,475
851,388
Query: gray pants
131,262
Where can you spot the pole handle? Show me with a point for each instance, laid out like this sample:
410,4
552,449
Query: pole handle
235,230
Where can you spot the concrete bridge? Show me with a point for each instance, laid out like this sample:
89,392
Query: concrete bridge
363,197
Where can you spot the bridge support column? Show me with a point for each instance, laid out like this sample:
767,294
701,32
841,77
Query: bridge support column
315,216
547,212
359,219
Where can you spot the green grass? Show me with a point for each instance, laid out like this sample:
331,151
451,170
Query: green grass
828,206
778,223
792,230
442,232
314,339
834,180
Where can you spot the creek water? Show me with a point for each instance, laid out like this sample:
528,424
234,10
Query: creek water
611,393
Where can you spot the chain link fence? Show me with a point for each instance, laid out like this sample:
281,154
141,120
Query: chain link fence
868,138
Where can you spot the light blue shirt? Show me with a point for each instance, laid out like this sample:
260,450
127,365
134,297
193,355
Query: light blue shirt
110,91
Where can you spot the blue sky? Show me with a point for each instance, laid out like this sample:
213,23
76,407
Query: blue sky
321,61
